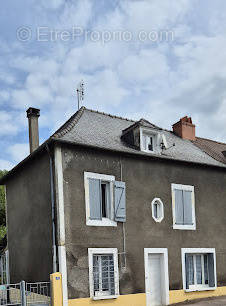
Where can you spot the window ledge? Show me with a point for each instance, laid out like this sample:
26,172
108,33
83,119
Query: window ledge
106,297
200,289
185,227
103,222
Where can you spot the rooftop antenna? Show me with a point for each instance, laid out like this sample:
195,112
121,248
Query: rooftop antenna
80,93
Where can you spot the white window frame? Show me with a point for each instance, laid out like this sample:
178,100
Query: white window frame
105,178
100,251
161,210
197,251
155,135
188,188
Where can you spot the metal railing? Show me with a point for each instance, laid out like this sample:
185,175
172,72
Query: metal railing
25,294
10,294
38,293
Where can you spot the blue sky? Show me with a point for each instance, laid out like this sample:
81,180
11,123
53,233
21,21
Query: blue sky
118,48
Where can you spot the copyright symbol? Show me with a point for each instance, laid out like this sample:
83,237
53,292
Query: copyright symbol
23,33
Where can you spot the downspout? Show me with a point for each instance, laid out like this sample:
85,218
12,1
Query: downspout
123,224
53,210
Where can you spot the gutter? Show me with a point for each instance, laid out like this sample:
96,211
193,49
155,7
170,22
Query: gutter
53,210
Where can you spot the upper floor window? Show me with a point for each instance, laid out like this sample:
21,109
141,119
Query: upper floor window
157,210
148,142
199,269
105,200
183,202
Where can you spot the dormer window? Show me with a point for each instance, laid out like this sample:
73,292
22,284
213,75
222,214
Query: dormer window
149,141
145,136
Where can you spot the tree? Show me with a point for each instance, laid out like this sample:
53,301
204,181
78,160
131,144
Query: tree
2,208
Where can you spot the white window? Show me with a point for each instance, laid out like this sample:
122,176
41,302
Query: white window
152,141
105,200
199,269
157,210
183,206
148,141
103,273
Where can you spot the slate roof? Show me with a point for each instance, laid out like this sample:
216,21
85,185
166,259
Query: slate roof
212,148
100,130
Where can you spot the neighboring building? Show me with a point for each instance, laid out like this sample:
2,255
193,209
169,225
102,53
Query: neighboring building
120,208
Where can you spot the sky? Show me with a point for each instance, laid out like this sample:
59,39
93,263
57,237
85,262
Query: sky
153,59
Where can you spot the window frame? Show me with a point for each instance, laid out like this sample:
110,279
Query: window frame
161,209
196,251
185,188
149,133
104,178
100,251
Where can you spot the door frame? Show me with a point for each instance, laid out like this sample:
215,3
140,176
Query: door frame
164,276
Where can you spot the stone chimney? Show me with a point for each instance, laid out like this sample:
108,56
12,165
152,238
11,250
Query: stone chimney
32,115
185,128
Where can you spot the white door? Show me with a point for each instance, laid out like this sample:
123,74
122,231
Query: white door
154,262
156,276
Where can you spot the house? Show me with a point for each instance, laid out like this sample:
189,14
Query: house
127,211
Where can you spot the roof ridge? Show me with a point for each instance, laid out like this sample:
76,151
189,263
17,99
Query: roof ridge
219,142
107,114
69,124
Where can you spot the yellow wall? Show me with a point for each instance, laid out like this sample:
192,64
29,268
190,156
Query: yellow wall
176,296
122,300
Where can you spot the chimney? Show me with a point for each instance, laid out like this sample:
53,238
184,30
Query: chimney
185,128
32,115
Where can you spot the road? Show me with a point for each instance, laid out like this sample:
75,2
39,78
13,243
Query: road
217,302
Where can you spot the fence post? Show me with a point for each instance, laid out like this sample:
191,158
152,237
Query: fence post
23,293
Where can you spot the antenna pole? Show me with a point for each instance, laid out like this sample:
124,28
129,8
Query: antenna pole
78,97
80,93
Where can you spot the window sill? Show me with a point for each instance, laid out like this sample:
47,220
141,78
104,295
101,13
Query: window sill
185,227
103,222
200,288
106,297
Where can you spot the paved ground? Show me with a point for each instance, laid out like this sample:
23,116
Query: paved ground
217,302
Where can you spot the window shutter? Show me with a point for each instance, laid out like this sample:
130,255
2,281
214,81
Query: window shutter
120,202
179,215
187,270
187,200
95,199
211,269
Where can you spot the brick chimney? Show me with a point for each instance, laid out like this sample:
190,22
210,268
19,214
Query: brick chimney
32,115
184,128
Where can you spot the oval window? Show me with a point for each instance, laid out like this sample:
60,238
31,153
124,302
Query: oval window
157,210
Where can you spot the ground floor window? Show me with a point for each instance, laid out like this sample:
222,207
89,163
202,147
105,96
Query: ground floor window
199,269
103,273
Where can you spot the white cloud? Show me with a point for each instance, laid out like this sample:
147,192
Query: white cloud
18,151
4,96
8,126
6,164
144,66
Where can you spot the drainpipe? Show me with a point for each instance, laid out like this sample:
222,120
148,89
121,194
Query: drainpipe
53,210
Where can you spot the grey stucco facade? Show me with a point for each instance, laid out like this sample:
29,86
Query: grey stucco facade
29,222
145,179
